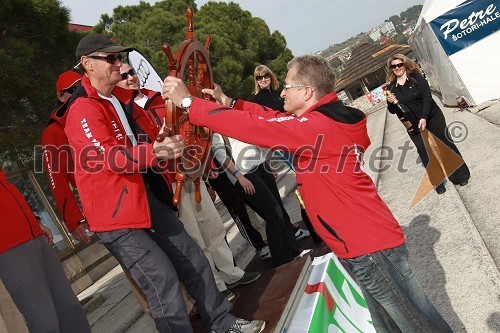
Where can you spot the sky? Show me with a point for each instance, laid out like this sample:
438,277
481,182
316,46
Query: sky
308,25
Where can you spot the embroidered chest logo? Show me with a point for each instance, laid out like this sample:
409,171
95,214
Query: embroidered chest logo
116,129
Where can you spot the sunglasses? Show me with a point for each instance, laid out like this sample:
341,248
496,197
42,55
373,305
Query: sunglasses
262,77
131,72
298,86
401,64
110,58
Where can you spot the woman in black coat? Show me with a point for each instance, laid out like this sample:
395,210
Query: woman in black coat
265,90
266,94
419,112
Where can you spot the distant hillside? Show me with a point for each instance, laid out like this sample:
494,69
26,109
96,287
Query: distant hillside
406,19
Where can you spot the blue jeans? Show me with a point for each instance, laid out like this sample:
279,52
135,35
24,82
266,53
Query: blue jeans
396,301
156,258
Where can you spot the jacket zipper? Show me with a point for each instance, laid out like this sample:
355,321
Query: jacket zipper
331,231
22,210
124,191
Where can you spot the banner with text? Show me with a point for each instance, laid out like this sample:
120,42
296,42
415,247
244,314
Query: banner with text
466,24
331,302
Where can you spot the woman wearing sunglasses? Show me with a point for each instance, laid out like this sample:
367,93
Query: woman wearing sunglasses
408,88
265,90
266,94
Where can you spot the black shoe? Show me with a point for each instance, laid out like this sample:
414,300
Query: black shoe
245,326
440,189
463,183
228,294
247,278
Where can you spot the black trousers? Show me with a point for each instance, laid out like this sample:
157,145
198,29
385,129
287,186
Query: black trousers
157,258
436,124
236,206
267,203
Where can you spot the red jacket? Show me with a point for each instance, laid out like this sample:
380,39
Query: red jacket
155,106
60,169
18,223
108,168
341,200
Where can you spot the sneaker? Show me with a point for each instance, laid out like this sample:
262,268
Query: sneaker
265,253
302,233
245,326
303,253
228,294
247,278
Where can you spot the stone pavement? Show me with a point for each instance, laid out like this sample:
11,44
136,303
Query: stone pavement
452,238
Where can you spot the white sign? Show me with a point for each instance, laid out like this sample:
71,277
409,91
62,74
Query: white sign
331,301
148,77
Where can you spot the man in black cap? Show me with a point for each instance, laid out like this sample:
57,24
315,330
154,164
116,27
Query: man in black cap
116,156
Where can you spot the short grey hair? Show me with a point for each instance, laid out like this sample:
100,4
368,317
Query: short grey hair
315,71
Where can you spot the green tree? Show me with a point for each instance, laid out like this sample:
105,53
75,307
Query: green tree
394,19
147,27
35,47
239,41
400,39
336,62
411,13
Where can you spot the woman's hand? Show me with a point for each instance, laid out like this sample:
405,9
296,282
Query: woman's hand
390,97
422,124
246,184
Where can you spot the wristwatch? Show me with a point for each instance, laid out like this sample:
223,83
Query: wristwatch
186,102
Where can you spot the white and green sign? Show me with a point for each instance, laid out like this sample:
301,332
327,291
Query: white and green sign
331,301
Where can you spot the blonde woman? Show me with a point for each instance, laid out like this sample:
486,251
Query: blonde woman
266,94
408,87
265,90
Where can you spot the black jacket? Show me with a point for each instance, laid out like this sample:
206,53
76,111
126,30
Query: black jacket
416,95
269,98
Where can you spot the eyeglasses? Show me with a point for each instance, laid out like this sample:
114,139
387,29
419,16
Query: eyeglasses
125,75
290,86
111,59
69,90
262,77
401,64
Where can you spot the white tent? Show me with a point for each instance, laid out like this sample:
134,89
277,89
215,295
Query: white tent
457,43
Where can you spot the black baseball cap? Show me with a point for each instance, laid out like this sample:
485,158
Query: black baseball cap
98,43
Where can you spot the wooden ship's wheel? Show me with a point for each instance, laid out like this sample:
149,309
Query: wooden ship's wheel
192,65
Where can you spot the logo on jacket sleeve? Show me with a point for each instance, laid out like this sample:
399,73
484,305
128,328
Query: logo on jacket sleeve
287,118
88,134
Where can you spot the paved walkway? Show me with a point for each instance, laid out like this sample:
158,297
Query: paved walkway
452,238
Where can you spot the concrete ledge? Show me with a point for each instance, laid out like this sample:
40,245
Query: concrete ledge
91,303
